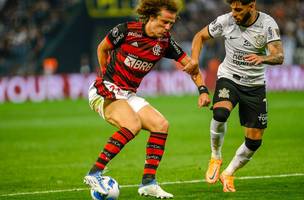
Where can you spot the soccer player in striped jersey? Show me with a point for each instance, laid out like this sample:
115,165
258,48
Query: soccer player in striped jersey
248,34
128,52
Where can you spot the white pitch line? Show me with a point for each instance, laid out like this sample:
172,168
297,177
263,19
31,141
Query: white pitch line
163,183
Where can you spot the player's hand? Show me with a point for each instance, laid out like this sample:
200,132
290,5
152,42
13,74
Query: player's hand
253,59
203,100
192,67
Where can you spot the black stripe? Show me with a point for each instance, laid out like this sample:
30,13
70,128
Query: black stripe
123,135
116,143
149,166
102,161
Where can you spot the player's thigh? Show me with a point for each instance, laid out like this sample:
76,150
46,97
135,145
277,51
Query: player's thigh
225,94
152,120
119,113
253,108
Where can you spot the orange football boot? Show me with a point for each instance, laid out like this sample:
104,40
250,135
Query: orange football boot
213,172
228,182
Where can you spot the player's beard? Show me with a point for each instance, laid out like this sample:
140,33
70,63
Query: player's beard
245,19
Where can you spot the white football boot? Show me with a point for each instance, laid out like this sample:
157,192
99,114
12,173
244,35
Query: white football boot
154,190
95,181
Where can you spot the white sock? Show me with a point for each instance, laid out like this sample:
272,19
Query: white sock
217,132
242,156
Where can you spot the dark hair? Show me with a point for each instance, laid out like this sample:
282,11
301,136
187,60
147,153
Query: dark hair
244,2
148,8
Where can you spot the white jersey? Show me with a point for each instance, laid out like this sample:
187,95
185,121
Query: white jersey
241,41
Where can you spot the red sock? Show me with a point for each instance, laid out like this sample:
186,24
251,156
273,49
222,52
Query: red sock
154,152
114,145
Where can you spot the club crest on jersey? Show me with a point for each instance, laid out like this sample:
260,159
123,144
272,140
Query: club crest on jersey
138,64
260,41
224,93
156,50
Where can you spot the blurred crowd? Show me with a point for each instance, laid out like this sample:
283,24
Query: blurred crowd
289,14
26,27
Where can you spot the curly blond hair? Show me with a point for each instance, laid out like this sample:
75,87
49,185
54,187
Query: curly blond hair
152,8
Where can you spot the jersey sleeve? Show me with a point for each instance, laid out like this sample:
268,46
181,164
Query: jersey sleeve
117,35
272,31
174,51
216,28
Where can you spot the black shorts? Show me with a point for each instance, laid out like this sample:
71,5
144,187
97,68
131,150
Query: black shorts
252,101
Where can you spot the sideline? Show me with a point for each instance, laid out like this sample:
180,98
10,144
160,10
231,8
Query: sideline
163,183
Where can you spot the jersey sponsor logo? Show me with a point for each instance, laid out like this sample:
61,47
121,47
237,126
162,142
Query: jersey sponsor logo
178,51
260,41
163,39
217,28
134,34
224,93
138,64
118,38
277,32
270,33
247,43
156,50
238,58
115,32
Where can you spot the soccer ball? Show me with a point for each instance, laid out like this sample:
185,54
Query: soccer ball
112,186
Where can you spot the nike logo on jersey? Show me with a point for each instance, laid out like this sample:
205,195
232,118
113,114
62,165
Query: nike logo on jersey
233,37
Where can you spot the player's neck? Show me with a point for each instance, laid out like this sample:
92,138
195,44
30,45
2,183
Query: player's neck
253,18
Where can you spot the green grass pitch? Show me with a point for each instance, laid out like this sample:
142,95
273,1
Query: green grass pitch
47,148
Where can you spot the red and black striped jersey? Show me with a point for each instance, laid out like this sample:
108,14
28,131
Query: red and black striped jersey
134,54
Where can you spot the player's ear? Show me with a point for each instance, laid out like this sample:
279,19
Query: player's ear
252,5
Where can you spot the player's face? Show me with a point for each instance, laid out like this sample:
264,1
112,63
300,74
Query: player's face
162,23
241,13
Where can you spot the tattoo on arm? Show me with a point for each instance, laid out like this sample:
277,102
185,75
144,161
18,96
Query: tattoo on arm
276,55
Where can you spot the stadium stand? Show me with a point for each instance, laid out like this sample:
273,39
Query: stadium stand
28,27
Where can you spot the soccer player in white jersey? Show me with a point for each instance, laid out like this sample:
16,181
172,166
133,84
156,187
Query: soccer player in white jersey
252,41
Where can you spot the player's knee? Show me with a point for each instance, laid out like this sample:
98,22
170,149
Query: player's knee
134,126
161,125
164,125
221,114
253,145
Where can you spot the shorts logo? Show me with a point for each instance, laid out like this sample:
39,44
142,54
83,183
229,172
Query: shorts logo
263,118
224,93
138,64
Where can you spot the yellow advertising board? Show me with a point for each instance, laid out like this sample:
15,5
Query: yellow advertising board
112,8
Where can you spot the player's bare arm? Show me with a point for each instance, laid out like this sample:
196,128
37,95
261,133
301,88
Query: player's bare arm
275,57
197,78
198,43
103,52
